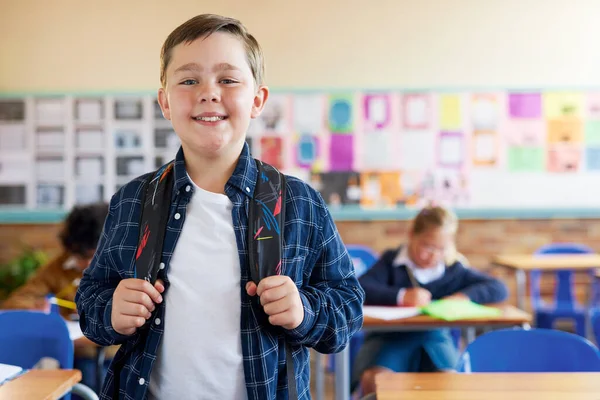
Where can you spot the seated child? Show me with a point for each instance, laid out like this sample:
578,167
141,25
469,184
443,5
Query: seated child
427,268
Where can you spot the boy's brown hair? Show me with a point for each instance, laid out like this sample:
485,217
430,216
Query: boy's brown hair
204,25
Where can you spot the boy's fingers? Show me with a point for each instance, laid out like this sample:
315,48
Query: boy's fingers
251,288
271,282
273,294
159,285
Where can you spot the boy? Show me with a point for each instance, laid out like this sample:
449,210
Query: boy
209,336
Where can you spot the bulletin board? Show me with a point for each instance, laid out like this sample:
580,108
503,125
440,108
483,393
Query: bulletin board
363,150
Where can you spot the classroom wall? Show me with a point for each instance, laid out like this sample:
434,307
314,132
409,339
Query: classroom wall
70,45
75,46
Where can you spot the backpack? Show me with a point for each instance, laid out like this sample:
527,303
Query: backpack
266,213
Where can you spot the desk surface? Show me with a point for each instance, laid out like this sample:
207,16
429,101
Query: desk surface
510,316
40,384
548,262
488,386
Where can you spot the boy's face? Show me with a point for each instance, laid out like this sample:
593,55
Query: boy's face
427,249
210,95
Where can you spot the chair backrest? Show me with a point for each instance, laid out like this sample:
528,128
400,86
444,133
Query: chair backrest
28,336
563,294
533,350
363,258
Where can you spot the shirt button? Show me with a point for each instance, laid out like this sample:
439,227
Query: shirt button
177,216
157,321
188,188
142,381
161,266
248,189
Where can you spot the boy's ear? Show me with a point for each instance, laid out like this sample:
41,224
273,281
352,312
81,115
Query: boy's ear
163,101
260,98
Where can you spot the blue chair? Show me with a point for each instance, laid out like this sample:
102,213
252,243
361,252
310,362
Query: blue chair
533,350
28,336
564,306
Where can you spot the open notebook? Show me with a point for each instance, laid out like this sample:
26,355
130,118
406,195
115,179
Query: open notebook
448,310
8,372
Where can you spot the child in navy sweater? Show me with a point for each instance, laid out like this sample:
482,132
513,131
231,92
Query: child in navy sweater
427,268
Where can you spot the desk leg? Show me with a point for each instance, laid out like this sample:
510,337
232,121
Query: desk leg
470,331
319,376
521,279
100,356
342,375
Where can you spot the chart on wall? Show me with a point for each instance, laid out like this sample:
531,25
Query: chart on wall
380,149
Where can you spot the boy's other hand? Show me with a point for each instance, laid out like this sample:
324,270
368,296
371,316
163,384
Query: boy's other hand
280,299
133,303
416,297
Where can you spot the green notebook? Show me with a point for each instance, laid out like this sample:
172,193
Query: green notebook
452,310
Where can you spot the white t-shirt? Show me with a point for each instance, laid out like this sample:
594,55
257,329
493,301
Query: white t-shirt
200,355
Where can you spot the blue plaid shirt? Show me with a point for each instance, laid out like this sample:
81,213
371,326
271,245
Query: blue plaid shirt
314,257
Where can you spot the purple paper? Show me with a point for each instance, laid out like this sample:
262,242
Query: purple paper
341,152
525,105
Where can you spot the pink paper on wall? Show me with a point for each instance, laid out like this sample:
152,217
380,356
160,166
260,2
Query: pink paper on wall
416,111
451,149
525,132
593,105
377,111
564,158
341,152
525,105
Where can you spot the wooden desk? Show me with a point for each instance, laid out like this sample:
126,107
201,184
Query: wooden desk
511,316
548,262
488,386
40,384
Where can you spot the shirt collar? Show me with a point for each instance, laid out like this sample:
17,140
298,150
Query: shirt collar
243,177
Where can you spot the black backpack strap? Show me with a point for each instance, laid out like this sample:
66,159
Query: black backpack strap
156,205
265,239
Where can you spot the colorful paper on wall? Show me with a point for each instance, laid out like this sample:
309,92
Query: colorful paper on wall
525,105
381,189
564,158
341,153
451,187
563,104
377,112
592,132
309,113
484,112
526,159
338,188
275,117
341,114
592,156
307,150
527,133
451,149
593,105
416,111
450,112
569,130
376,151
271,151
416,150
485,147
